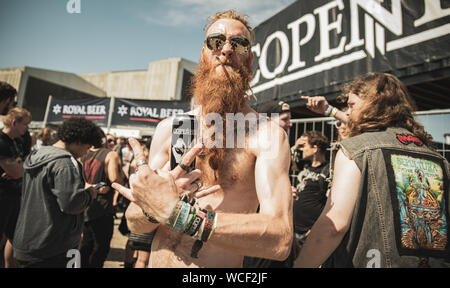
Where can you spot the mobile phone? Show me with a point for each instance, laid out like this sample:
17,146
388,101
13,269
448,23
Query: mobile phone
183,134
99,185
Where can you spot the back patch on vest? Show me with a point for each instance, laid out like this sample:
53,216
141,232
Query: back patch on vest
419,189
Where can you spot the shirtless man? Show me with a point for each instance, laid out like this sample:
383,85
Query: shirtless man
248,176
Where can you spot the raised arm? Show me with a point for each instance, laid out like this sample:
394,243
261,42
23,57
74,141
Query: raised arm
320,105
331,226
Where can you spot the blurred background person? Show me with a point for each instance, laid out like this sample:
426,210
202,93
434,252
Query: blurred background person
313,182
44,138
110,141
54,198
12,154
100,164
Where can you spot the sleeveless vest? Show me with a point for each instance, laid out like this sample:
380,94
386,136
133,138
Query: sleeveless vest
402,213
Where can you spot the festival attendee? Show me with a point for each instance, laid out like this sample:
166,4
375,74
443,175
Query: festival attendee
100,164
54,197
7,96
279,112
44,138
110,141
226,226
313,183
12,154
390,189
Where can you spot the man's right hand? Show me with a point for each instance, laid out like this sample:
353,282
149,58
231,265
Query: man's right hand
156,192
317,104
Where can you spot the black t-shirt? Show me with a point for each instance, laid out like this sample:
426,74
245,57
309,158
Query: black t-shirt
312,188
9,149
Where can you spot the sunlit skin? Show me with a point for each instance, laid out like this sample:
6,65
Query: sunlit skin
229,28
249,180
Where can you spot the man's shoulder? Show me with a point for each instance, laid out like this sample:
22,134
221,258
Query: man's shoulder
270,141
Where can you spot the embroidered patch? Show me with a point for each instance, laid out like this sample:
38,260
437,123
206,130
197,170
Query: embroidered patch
419,199
408,139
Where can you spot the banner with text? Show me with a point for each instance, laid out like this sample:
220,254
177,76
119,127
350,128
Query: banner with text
315,44
95,109
145,112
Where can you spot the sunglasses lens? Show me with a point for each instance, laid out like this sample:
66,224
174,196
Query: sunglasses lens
215,41
240,44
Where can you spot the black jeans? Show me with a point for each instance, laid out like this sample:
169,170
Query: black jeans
96,241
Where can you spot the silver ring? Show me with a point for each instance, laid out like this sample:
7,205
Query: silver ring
184,167
199,184
141,162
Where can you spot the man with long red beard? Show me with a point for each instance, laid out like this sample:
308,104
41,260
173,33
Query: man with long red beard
228,227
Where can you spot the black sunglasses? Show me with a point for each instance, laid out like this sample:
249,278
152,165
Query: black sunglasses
216,41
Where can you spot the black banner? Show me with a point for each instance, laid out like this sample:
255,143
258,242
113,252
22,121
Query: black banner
94,109
315,44
145,112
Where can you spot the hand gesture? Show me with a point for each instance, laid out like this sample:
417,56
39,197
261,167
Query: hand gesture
317,104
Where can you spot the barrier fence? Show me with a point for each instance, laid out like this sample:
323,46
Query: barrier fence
436,122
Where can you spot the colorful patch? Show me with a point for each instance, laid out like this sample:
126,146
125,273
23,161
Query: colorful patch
418,190
408,139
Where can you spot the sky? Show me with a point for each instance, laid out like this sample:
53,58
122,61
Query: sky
111,35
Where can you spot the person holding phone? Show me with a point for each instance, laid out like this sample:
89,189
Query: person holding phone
54,198
101,166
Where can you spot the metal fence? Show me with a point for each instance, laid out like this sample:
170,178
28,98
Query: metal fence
436,122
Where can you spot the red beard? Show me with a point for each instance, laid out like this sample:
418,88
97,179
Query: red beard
220,93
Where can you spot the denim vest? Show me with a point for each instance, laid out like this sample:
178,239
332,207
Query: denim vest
402,213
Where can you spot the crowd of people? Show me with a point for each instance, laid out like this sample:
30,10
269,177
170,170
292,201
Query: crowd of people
383,191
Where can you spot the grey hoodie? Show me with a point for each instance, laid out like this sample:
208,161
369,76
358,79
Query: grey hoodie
53,201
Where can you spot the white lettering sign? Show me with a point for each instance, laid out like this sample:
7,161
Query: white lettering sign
378,21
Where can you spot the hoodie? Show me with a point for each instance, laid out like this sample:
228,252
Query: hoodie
50,221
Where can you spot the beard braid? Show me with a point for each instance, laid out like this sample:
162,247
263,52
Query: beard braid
220,94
